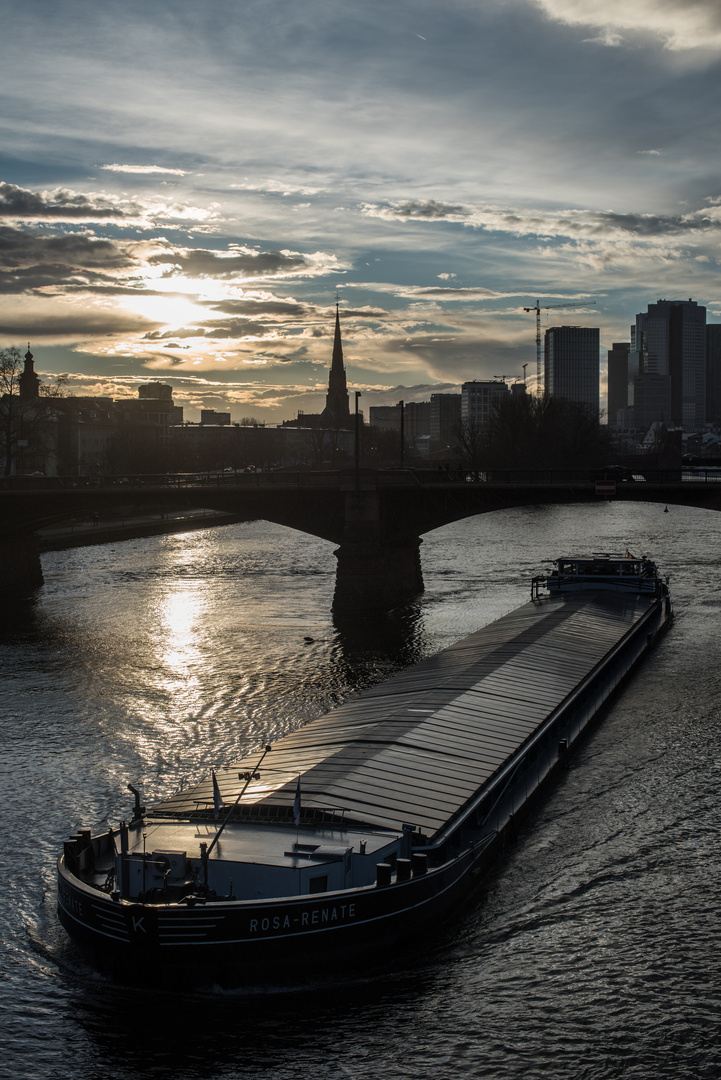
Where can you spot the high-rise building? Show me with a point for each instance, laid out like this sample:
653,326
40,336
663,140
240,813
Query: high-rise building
617,379
417,419
713,374
445,417
670,342
385,417
480,401
572,365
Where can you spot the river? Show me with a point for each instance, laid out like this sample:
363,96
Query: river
592,950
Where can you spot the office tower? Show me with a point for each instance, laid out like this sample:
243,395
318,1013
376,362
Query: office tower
713,374
445,417
480,401
617,379
670,342
572,365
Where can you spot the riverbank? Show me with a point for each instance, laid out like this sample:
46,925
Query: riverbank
76,534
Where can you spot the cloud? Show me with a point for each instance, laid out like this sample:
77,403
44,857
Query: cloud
62,205
237,329
71,325
527,221
278,187
145,170
417,210
243,262
435,292
678,24
29,261
259,305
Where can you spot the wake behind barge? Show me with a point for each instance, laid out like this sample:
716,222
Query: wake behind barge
353,833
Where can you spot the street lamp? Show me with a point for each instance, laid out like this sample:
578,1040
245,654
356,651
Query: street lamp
357,441
401,407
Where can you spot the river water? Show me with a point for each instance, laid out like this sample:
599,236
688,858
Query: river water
593,949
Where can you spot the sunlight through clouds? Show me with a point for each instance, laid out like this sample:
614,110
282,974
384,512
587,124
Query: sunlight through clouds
679,24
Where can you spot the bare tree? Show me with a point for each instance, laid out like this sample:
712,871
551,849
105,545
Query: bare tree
25,423
472,441
11,420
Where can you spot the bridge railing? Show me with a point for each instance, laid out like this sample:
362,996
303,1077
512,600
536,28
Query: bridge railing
381,478
548,477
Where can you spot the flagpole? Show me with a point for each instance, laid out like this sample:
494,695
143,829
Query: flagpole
248,777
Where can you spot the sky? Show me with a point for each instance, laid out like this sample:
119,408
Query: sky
186,189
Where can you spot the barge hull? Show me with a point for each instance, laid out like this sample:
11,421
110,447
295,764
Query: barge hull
230,940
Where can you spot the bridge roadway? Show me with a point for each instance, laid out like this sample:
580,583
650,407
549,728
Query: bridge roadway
376,517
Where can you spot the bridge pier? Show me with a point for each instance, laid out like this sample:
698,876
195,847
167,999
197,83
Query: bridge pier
374,577
22,570
375,571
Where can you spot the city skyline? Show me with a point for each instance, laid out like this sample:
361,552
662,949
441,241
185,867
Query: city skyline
183,192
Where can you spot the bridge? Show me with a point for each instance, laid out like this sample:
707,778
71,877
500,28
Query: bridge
376,517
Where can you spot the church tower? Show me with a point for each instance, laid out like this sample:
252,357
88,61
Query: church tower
337,409
28,382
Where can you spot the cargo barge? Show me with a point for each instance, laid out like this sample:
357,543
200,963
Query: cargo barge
350,836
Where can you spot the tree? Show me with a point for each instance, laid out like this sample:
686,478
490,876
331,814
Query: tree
546,433
472,444
11,418
27,424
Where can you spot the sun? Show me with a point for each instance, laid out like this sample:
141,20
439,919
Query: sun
169,312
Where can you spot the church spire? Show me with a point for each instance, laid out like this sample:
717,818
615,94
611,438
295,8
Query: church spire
337,362
337,409
28,382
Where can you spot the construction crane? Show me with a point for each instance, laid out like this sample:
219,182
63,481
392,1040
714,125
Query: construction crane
549,307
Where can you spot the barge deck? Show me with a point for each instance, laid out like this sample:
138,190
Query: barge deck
353,831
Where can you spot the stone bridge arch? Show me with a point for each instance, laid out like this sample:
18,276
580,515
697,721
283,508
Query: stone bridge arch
376,518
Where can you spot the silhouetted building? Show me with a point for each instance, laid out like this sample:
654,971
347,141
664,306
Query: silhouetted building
385,417
572,365
337,410
480,402
713,374
28,382
617,380
210,416
417,420
445,418
670,342
651,400
336,414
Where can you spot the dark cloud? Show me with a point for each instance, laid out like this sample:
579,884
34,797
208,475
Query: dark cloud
653,224
61,204
19,247
229,328
291,309
72,262
272,307
203,263
424,210
363,313
76,325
